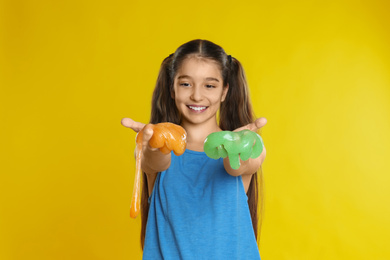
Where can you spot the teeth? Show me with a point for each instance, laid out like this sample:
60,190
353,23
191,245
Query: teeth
197,108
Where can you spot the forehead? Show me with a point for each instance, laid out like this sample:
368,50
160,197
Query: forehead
197,67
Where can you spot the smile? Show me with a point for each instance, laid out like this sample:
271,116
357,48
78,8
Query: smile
197,108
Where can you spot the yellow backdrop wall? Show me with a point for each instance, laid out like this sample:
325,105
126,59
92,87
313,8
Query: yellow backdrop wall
70,70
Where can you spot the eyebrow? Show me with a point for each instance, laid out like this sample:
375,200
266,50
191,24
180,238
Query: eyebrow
208,78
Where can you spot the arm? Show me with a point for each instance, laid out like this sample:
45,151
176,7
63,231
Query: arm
249,166
152,160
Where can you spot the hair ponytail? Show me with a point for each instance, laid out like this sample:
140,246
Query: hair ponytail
236,111
163,110
163,106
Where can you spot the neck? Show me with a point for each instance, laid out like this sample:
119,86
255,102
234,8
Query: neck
197,133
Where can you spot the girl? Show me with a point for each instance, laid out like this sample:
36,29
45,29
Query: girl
194,207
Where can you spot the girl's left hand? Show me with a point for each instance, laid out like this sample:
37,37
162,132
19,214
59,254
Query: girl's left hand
255,126
249,166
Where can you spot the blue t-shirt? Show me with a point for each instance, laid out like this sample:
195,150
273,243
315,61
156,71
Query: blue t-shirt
198,211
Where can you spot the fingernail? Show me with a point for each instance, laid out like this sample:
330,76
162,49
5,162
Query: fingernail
149,131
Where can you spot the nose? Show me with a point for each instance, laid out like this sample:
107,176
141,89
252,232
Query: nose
196,94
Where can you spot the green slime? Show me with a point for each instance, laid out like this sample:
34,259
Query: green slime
244,144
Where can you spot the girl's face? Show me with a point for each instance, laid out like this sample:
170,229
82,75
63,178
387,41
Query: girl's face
198,90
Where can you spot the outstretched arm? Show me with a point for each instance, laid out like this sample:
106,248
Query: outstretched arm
249,166
152,159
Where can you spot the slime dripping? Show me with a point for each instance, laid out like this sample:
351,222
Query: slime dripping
167,137
242,145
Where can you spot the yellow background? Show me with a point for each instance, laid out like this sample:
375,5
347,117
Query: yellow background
70,70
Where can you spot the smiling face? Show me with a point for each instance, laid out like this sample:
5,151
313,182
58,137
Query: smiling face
198,91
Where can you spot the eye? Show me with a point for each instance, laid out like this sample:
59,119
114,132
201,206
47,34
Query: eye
185,84
210,86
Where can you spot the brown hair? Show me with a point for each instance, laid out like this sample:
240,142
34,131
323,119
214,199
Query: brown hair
235,111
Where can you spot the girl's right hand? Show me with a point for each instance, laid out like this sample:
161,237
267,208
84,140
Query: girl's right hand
137,127
130,123
153,160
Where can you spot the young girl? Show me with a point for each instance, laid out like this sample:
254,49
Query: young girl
194,207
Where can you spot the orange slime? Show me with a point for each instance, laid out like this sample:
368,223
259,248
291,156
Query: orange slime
167,137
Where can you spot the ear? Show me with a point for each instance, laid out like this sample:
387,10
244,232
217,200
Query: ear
224,92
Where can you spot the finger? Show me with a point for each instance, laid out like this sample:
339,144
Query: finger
147,135
256,125
259,123
130,123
